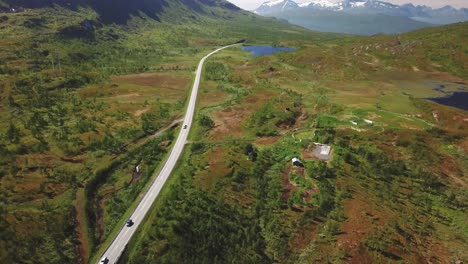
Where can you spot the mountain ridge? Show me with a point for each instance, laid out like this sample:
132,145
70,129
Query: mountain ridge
440,16
117,11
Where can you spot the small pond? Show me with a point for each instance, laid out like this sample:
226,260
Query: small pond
454,94
257,51
457,99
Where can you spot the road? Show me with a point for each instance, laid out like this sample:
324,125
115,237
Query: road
114,251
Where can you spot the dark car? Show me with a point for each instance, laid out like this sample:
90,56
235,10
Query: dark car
129,222
185,126
104,260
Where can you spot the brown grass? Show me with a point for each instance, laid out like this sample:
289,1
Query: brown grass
138,113
167,80
267,140
359,223
229,120
216,168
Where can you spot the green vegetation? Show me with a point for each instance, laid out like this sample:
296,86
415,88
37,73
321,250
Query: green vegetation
78,116
393,191
84,100
279,112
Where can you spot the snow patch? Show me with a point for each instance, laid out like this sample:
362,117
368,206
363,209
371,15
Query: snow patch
358,4
273,3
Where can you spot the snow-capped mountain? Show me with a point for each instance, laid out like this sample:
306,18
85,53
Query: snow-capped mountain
324,5
276,6
444,15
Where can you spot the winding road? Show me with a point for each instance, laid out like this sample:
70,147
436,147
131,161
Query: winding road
115,250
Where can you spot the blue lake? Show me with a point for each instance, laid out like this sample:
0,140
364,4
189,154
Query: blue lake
453,94
257,51
457,99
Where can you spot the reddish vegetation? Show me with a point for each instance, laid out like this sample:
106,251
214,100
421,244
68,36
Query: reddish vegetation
81,226
306,234
229,120
450,169
130,95
288,187
267,140
216,168
463,145
307,195
361,220
100,211
155,79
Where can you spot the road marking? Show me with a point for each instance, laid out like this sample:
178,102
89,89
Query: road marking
117,247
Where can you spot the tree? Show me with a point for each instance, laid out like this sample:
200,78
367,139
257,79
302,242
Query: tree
13,133
206,121
147,124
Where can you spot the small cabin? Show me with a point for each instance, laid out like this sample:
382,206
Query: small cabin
369,122
297,162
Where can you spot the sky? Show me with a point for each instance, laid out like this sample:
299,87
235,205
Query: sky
252,4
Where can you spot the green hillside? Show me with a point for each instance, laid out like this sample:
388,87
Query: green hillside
89,90
72,131
393,191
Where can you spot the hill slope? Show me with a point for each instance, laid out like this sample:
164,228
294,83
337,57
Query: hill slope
121,10
394,190
72,131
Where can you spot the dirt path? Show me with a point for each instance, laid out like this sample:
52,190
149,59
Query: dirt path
407,118
158,133
138,113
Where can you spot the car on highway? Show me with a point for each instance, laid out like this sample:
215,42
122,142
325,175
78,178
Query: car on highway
129,222
104,260
185,126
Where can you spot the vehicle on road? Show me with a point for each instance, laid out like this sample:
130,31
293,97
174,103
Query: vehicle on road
129,222
104,260
118,245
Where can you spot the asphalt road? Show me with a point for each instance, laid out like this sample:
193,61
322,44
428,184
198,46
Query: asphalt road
118,245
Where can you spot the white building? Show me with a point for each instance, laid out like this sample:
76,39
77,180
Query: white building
369,122
297,162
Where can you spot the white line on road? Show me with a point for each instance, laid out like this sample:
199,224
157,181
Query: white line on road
115,250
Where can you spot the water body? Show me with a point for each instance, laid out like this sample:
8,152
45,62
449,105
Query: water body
257,51
457,99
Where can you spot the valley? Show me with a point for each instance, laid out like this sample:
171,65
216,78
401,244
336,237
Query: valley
361,17
366,204
91,107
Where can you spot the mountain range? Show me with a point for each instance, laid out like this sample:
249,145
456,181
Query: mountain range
363,17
